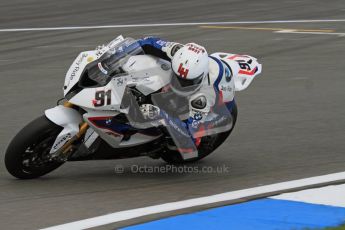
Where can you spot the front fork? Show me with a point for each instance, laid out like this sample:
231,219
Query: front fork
73,125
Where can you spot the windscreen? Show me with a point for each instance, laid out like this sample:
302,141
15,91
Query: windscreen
110,63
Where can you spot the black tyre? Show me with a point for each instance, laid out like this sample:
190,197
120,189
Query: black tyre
207,146
27,154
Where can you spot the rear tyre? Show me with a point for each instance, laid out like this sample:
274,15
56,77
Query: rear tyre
207,146
27,155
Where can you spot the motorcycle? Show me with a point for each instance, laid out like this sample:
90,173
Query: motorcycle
99,116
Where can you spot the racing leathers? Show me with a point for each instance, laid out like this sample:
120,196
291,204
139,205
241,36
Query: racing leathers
209,107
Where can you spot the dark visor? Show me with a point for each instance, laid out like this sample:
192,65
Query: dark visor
182,84
189,82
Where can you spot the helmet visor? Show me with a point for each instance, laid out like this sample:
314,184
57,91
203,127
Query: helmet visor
186,85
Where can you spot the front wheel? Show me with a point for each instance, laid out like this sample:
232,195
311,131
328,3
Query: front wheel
207,146
27,155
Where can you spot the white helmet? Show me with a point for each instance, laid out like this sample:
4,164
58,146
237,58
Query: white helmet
190,66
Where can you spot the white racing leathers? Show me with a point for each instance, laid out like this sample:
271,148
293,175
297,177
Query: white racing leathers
207,111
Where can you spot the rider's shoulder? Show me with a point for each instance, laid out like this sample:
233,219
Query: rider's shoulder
214,70
219,65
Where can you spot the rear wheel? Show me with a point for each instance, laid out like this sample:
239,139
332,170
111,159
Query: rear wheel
27,155
207,145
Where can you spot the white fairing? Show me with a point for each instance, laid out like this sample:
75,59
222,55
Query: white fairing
110,136
76,69
245,68
67,118
86,97
147,73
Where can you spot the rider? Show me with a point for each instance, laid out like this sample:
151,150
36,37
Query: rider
197,76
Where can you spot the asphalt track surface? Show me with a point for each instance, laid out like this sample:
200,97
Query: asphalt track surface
291,119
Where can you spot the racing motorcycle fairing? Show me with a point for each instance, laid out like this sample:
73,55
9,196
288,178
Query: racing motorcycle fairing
67,118
102,102
109,97
148,73
245,68
83,59
116,132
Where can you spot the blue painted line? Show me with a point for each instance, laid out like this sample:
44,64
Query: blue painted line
265,214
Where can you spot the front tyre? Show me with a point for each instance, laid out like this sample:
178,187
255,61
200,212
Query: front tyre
27,155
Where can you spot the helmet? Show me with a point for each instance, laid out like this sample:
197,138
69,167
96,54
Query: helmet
190,66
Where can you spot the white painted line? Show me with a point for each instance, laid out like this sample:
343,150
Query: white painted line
168,24
63,46
333,195
228,196
302,32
